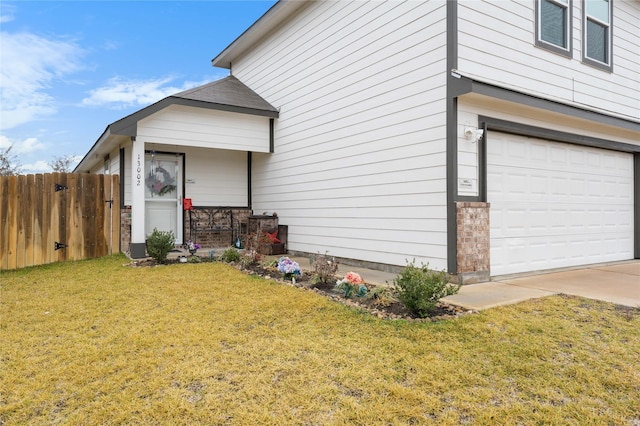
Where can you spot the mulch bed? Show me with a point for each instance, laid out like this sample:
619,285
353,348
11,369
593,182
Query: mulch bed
392,310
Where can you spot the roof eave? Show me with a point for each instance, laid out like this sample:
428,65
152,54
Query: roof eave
266,23
86,163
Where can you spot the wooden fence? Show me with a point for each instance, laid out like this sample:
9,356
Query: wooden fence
55,217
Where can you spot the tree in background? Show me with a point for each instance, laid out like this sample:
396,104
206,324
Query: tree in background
62,164
9,165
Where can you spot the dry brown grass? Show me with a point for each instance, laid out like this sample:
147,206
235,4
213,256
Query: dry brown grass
94,342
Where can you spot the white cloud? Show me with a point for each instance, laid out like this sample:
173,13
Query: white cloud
7,13
30,64
39,166
25,146
121,93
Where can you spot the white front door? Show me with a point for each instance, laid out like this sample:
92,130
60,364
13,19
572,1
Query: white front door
163,194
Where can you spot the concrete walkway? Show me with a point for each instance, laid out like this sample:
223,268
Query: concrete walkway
617,283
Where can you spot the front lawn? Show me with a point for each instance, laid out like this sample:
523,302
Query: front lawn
94,342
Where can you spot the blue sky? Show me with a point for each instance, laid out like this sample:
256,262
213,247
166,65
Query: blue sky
70,68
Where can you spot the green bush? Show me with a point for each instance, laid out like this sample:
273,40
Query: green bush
159,244
230,255
420,288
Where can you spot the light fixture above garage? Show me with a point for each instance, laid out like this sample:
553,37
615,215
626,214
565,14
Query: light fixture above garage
473,135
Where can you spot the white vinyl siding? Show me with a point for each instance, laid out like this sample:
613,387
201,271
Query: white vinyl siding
359,162
187,126
216,177
495,45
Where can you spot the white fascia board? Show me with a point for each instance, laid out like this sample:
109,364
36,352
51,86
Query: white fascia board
258,30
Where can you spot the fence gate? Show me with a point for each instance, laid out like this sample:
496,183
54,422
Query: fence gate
54,217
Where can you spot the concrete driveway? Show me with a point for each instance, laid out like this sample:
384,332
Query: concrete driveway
617,283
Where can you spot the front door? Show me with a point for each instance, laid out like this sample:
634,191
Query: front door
163,193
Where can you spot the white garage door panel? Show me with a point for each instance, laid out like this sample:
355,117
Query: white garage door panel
555,205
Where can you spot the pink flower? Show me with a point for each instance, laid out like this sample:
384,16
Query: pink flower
354,278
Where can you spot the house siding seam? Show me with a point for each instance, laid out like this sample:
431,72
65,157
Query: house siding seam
358,163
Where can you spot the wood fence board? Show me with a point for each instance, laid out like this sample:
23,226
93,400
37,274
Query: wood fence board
13,222
115,215
38,228
61,198
34,216
20,244
99,242
88,217
70,224
106,217
4,218
28,215
48,234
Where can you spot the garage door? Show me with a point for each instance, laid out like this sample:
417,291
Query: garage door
557,205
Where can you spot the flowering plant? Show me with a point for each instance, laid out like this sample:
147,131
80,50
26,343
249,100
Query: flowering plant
192,247
288,267
352,283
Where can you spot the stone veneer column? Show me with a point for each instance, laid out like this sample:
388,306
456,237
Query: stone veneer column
473,242
125,229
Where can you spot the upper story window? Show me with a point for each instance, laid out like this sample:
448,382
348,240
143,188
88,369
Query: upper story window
596,33
553,25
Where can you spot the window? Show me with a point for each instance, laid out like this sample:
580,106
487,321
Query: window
553,25
596,33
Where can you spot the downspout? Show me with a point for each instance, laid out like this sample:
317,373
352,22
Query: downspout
271,136
249,183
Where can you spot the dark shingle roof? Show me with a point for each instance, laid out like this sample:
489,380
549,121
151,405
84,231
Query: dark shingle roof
227,91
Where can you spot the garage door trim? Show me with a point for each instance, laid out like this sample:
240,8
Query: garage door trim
504,126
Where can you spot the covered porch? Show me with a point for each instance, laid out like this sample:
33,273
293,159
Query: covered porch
185,164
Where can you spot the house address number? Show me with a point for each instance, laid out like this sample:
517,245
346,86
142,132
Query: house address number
138,172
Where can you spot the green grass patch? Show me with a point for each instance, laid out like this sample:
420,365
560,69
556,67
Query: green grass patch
94,342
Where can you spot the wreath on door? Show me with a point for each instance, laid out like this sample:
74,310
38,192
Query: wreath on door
160,182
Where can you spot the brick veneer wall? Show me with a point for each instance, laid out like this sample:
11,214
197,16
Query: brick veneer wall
473,242
212,239
125,229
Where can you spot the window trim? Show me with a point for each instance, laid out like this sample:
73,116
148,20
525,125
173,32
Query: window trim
586,59
568,51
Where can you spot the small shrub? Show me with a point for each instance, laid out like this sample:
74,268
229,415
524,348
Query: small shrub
420,288
250,258
381,296
271,265
159,244
194,259
324,268
230,255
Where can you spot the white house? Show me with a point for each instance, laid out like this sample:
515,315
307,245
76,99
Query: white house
487,138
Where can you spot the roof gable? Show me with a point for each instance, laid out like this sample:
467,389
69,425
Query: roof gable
229,91
227,94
